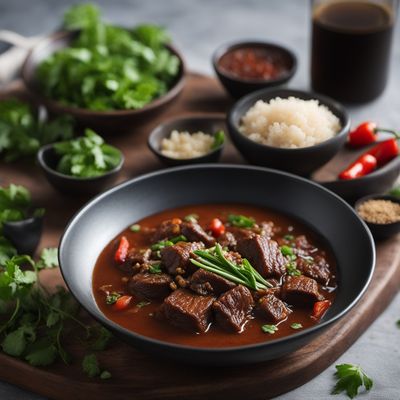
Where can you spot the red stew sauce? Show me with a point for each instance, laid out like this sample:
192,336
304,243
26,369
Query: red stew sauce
147,283
254,64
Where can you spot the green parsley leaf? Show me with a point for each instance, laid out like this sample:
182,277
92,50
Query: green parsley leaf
42,354
135,228
90,366
48,258
102,340
350,378
155,269
105,375
296,325
241,221
219,139
112,298
271,329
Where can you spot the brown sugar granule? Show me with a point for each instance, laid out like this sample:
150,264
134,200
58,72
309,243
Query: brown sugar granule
379,211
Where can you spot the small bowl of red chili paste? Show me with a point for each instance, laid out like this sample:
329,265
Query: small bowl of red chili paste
244,67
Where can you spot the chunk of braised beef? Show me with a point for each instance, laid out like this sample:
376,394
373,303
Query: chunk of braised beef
135,259
167,230
176,258
317,269
301,243
267,229
300,290
241,233
195,233
232,309
272,309
264,255
204,282
187,310
228,240
150,286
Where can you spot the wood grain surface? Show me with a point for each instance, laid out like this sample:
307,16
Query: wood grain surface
142,377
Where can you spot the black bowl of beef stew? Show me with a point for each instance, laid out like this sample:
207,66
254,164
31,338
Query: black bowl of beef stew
221,264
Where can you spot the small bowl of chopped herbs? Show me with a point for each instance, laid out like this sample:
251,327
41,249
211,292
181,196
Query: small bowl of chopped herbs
106,76
85,165
381,213
189,140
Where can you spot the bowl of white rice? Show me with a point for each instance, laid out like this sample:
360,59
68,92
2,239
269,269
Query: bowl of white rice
189,140
290,130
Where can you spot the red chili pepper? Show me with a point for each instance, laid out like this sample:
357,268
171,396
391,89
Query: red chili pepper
385,151
122,251
362,166
366,133
122,303
217,228
320,308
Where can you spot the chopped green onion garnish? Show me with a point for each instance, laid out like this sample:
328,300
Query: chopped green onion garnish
241,221
289,237
155,268
112,298
296,325
271,329
191,218
135,228
143,303
292,270
287,251
161,244
179,238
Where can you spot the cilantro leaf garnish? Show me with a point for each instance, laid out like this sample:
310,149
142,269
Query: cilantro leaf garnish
350,378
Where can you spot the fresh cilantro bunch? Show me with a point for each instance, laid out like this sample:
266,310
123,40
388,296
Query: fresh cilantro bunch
108,67
350,378
22,132
87,156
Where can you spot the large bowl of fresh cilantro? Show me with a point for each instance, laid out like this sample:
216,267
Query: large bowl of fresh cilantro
105,76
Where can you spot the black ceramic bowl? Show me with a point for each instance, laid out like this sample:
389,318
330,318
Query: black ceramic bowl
301,161
207,123
378,181
381,231
239,87
323,211
70,185
113,121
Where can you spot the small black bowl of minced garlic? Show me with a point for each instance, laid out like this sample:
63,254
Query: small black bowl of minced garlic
381,213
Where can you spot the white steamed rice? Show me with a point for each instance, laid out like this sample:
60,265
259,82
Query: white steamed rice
289,123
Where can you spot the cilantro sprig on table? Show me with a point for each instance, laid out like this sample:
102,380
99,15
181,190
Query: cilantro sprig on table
22,132
107,67
87,156
350,378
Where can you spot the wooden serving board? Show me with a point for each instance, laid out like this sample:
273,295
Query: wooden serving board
143,377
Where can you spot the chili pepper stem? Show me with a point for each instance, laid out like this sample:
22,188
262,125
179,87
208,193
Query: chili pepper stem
391,131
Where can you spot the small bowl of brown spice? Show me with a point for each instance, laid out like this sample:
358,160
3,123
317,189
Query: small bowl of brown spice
381,213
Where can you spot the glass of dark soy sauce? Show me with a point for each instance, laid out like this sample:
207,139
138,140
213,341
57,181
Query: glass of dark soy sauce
351,46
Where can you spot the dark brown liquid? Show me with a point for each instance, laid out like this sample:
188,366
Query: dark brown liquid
351,44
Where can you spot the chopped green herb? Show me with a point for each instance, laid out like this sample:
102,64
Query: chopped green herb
271,329
48,258
112,298
180,238
219,139
350,378
90,366
22,132
191,218
395,191
102,338
107,67
241,221
161,244
87,156
292,270
296,325
289,237
155,268
214,260
143,303
287,251
135,228
105,375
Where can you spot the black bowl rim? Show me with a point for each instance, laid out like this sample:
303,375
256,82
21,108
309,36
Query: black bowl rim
186,117
101,318
159,101
371,176
51,171
232,45
334,106
377,196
